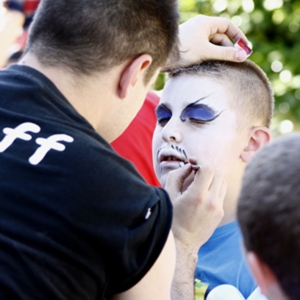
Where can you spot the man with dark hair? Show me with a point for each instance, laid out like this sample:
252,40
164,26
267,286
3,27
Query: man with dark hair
77,220
102,40
269,216
215,114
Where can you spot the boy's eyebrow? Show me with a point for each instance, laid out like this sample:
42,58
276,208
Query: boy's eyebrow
203,98
164,106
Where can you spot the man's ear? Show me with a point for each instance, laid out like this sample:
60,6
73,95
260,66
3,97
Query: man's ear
264,277
262,274
259,136
132,72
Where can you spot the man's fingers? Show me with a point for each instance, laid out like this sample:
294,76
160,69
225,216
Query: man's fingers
176,179
197,38
223,25
222,40
202,181
227,53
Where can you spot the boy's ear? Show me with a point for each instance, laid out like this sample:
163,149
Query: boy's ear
258,138
262,274
132,72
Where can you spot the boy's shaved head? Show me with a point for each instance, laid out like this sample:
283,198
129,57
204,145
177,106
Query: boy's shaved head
249,86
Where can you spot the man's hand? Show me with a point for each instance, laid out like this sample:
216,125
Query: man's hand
203,38
199,209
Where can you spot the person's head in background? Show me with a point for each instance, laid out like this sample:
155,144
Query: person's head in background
20,13
92,38
11,24
269,216
217,113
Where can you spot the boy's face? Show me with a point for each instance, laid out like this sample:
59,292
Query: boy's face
195,120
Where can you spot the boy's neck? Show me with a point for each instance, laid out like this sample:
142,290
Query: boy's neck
230,203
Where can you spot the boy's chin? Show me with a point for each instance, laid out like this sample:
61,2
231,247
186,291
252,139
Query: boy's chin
163,181
163,178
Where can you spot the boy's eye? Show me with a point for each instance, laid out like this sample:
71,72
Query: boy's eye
163,115
198,113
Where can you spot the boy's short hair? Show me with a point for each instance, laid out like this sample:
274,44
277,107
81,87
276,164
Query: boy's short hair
269,210
95,35
246,82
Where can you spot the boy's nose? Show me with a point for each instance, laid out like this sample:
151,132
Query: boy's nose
172,132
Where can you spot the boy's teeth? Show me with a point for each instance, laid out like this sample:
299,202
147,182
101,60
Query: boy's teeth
171,158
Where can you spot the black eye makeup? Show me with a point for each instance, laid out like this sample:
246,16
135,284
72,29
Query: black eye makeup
163,114
199,113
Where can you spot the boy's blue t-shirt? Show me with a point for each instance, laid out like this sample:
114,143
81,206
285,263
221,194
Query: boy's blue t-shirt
221,261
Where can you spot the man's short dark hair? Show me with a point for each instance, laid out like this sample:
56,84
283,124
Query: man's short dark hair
251,91
88,36
269,210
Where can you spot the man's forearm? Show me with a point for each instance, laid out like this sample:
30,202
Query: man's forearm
183,281
197,212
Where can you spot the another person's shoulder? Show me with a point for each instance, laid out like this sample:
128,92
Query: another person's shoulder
135,144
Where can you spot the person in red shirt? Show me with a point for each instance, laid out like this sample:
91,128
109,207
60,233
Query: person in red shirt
135,144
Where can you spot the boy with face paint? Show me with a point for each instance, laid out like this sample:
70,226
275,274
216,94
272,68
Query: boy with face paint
211,115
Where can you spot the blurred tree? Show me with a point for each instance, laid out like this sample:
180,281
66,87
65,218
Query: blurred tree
273,27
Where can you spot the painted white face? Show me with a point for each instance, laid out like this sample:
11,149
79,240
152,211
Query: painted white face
194,120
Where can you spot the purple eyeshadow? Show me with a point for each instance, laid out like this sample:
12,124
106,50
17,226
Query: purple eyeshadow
163,114
195,112
199,113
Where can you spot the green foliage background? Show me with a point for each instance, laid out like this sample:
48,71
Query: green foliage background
273,28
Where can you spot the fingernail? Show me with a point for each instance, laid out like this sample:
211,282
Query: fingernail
196,167
241,55
181,164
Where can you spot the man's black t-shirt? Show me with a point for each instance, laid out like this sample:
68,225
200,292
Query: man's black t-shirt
76,220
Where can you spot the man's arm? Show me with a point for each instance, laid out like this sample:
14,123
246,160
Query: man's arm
197,212
202,38
156,284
